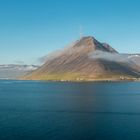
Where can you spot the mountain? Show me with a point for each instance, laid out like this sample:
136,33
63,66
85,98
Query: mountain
87,59
135,58
13,71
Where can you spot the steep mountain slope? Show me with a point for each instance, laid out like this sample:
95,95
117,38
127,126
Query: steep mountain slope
75,63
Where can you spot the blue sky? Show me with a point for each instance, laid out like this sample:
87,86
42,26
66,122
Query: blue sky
30,29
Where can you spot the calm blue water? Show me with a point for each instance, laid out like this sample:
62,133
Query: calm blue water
69,111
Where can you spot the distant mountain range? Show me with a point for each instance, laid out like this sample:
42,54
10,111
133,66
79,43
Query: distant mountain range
13,71
87,60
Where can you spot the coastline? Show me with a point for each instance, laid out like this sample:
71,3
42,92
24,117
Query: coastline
83,81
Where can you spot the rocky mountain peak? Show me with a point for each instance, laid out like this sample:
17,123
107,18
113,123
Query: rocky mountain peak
93,44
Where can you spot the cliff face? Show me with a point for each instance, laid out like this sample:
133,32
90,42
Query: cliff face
75,63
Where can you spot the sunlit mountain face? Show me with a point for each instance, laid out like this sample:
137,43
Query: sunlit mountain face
87,59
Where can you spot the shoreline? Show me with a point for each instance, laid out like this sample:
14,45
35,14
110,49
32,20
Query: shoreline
77,81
